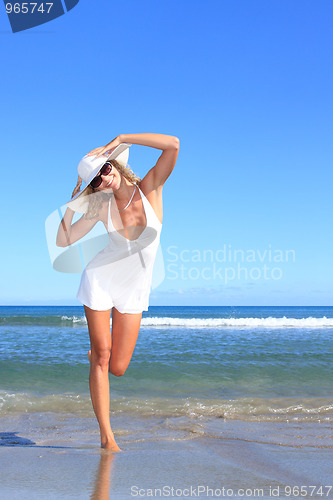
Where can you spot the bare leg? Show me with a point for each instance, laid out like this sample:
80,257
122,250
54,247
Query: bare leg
89,357
125,331
100,340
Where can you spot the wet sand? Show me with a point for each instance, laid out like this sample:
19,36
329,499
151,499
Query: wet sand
57,456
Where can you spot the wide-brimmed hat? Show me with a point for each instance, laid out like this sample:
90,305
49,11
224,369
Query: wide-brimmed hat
89,167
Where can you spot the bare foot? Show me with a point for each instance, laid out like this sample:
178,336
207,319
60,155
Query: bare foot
89,357
110,444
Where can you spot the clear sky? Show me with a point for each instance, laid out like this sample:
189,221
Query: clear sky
246,85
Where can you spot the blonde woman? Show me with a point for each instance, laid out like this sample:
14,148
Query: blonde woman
118,279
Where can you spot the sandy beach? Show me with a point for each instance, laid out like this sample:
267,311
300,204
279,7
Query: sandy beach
57,457
210,406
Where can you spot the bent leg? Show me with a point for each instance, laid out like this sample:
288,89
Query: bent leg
100,340
125,331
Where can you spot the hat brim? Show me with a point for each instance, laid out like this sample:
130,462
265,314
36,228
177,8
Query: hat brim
78,203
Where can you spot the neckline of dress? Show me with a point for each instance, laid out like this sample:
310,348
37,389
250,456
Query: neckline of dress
112,225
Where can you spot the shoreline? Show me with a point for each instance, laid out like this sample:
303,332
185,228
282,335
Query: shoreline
53,450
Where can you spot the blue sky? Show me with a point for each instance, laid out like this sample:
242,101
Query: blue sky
246,85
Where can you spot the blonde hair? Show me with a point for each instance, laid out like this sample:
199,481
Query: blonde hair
96,201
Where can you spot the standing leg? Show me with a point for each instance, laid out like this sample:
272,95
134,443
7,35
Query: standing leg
125,331
100,340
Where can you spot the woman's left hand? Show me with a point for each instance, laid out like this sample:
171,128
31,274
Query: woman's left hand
105,149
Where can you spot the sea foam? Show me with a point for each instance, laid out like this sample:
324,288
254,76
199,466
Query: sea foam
269,322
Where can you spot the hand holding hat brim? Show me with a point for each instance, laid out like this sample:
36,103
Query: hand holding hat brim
98,152
77,187
105,149
78,203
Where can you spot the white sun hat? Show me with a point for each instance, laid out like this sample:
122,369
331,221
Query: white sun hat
89,167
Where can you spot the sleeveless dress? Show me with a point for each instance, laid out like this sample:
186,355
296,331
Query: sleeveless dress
120,275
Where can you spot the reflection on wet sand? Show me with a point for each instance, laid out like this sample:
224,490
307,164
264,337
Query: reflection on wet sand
103,476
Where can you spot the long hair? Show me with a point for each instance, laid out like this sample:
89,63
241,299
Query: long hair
96,201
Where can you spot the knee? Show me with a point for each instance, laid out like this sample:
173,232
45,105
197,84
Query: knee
101,357
117,369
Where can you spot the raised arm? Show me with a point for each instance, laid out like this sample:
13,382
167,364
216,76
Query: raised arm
69,233
166,162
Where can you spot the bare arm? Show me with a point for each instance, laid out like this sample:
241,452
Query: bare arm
157,175
69,233
158,141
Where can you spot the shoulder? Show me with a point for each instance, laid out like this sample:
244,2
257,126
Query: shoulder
154,196
147,188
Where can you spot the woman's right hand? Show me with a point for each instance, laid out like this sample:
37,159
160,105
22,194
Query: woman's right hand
106,149
77,187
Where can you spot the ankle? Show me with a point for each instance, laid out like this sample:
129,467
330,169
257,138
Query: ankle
105,441
109,436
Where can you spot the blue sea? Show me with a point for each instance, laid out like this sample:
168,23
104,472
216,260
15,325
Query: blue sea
197,363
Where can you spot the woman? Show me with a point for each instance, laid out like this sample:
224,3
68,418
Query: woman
118,279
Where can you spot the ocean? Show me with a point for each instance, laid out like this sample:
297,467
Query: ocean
240,363
214,397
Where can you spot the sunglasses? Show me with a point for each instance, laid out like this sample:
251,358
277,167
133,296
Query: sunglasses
105,170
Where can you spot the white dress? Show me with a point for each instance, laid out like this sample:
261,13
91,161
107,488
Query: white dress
120,275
